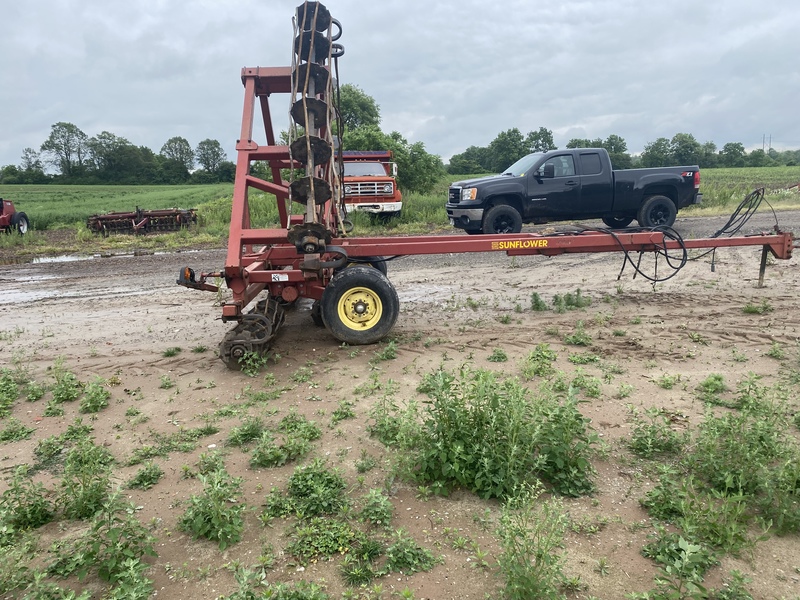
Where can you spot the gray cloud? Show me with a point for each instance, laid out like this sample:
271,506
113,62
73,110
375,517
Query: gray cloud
450,74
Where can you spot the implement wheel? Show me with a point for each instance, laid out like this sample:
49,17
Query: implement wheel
19,221
359,306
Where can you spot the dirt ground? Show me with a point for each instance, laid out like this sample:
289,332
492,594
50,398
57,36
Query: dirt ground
116,316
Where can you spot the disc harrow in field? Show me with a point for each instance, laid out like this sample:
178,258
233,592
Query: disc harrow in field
142,221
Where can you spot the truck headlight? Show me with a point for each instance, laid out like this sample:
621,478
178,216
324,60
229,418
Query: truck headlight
387,188
469,193
348,189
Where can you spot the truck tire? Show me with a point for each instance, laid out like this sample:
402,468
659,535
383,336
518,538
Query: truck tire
617,222
359,305
19,221
657,211
502,219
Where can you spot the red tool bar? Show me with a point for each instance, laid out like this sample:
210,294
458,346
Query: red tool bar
521,244
278,254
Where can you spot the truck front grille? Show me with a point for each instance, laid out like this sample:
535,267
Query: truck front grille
368,188
454,195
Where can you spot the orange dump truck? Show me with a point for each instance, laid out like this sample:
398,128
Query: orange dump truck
370,182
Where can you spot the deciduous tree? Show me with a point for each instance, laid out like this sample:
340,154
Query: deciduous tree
357,108
178,148
209,154
65,148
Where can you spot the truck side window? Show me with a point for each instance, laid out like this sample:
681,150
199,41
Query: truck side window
564,165
590,163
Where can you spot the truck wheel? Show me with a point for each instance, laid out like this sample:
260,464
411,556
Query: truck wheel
19,221
502,219
657,211
359,305
617,222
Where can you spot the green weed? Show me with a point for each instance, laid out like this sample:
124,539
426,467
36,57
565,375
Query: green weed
15,431
24,505
579,337
652,434
146,477
497,355
376,509
531,535
537,304
762,308
86,484
490,436
95,396
539,362
216,514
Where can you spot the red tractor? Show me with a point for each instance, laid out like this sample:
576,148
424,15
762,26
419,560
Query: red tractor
10,219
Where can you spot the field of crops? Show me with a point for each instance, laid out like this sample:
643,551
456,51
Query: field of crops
55,206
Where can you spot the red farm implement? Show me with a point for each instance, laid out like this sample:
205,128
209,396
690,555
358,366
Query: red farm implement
142,221
11,219
310,255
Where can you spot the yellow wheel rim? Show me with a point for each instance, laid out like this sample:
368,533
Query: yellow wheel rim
360,309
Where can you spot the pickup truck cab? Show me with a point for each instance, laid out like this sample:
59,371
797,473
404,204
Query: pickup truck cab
565,185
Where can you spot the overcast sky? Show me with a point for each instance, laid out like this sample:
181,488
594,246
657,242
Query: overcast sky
448,73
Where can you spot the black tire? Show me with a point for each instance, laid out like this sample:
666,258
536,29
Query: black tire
617,222
502,219
376,262
316,314
359,306
19,221
657,211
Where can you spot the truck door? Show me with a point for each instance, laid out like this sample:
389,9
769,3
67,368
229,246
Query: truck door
597,194
559,195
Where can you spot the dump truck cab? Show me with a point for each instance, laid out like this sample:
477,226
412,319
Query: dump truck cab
370,182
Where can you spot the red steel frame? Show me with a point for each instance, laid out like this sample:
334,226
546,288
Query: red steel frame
258,259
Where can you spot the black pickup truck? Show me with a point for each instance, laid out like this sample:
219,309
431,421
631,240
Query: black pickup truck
565,185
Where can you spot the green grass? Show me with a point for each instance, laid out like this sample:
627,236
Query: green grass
54,206
67,207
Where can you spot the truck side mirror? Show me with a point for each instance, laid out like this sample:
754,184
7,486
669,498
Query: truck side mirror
394,169
548,171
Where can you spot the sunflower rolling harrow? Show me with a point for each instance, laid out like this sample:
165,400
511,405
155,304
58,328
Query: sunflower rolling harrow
310,254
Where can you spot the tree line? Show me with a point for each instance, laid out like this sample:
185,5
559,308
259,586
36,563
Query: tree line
107,158
683,149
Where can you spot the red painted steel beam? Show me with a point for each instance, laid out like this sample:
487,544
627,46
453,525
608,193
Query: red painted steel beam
279,254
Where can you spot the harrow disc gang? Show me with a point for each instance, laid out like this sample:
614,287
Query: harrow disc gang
254,333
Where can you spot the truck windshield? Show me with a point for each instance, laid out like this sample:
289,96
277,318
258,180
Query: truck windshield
363,169
522,165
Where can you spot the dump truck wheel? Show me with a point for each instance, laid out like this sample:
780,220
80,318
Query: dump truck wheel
19,221
359,305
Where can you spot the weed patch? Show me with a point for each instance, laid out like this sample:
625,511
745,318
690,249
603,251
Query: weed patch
216,514
491,436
